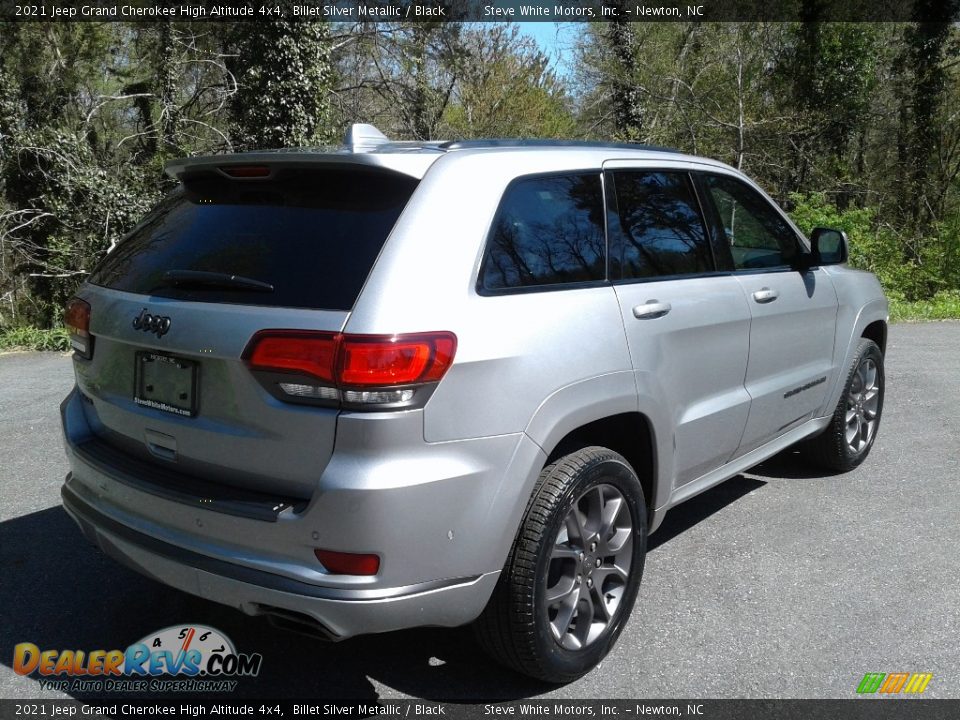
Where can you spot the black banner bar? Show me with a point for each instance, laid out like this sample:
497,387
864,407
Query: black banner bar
873,708
350,11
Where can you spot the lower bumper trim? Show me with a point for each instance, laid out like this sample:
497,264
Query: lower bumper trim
91,520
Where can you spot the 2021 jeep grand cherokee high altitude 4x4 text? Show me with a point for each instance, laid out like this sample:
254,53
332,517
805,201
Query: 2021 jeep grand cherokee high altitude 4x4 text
398,384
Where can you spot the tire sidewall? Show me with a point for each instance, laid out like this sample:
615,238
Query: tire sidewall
613,471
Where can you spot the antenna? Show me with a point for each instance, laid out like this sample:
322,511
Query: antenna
362,137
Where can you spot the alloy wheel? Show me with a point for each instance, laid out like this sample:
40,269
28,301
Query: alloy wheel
863,404
589,567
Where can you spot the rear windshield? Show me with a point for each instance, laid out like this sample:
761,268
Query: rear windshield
311,235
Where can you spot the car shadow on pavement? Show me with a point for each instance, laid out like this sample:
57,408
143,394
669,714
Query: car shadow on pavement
699,508
58,592
789,464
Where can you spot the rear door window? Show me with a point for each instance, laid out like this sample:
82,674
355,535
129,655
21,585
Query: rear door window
657,229
311,235
548,231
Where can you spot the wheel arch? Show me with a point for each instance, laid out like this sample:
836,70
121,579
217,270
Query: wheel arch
630,434
855,321
608,411
877,331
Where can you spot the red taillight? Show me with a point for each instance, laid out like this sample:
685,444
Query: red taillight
377,361
76,316
246,171
359,369
309,353
340,563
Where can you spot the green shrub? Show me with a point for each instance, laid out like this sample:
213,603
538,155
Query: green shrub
910,268
33,338
945,305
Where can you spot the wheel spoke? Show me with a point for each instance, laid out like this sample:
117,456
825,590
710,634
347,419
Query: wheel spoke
853,430
600,604
560,593
594,512
585,615
565,552
618,542
561,623
611,511
574,524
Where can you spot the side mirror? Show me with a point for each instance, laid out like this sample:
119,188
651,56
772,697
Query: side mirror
827,247
831,245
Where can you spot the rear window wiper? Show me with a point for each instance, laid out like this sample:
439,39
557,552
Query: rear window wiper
202,279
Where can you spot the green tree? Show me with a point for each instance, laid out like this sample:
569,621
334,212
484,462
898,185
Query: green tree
284,78
923,111
506,89
621,46
704,88
417,66
88,114
48,77
831,72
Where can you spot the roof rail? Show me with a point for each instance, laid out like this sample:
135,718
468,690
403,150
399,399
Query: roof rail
540,142
362,137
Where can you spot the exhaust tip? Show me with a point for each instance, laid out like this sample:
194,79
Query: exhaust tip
296,622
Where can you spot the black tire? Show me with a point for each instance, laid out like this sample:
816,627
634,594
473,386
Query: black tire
517,628
831,449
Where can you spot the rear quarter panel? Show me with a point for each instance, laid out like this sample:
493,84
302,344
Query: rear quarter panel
513,351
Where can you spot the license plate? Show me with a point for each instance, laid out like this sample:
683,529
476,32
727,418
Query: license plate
166,383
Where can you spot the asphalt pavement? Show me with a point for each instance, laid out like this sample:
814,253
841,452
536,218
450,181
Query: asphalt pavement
779,583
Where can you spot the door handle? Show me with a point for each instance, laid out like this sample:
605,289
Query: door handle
765,295
651,309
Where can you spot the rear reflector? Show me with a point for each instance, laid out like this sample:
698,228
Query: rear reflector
340,563
358,369
76,316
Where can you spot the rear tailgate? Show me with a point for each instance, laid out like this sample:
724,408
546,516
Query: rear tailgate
173,307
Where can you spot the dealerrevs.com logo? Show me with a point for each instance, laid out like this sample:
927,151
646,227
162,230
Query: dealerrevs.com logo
180,658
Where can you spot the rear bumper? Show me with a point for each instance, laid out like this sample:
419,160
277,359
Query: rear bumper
440,516
337,613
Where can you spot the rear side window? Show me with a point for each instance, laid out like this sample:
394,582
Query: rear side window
658,230
548,231
313,235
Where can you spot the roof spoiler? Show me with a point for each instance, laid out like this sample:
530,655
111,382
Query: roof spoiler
362,137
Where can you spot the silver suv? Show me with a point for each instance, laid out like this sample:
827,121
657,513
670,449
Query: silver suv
406,384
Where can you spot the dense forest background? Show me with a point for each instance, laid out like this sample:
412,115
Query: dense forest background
849,125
